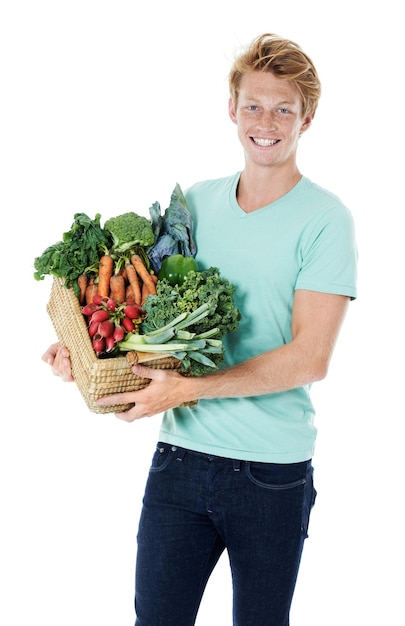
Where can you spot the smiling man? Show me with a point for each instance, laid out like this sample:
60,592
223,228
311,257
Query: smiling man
269,115
235,472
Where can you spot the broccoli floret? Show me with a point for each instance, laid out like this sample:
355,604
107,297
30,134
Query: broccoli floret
129,230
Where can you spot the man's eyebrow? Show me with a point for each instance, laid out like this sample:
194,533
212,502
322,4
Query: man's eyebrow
252,98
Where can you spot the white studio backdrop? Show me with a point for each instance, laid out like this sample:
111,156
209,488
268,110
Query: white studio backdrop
104,107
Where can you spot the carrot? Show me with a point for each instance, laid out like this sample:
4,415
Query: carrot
105,271
129,294
133,280
145,293
143,273
82,283
91,290
123,271
117,288
146,288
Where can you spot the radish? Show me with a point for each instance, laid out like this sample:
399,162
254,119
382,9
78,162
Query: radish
100,315
93,328
89,309
106,328
111,304
109,343
128,324
97,299
98,344
119,333
133,311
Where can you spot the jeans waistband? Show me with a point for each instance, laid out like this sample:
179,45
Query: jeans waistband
236,463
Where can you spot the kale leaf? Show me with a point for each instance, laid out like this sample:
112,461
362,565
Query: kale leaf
79,249
207,286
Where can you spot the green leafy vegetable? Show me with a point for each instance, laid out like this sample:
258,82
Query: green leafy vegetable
79,249
197,353
205,291
129,230
173,231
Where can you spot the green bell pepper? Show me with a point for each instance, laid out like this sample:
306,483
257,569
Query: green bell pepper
175,268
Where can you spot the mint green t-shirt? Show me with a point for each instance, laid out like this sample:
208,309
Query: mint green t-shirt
304,240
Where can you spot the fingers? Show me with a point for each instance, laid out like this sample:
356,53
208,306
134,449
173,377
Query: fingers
64,369
127,397
127,416
148,372
58,358
153,399
50,354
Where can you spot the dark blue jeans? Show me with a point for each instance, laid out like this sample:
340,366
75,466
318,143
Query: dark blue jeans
197,505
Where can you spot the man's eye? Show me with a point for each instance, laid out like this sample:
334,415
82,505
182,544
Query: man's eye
252,107
282,110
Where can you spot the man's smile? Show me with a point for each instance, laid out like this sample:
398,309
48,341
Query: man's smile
264,142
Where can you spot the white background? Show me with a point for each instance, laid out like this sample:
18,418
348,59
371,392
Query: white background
104,107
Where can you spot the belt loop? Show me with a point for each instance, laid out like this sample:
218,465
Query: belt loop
181,453
236,465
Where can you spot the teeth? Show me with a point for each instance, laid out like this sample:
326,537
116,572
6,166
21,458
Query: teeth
264,142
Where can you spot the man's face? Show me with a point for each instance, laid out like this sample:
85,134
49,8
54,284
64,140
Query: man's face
269,118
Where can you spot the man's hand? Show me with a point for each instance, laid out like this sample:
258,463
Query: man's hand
58,358
165,391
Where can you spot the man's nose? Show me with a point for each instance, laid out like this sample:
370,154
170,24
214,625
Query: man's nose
268,120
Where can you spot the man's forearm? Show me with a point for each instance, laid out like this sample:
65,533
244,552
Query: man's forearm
271,372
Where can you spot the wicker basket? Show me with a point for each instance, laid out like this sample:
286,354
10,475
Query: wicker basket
96,377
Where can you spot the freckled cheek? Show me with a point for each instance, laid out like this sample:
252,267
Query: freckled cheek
243,132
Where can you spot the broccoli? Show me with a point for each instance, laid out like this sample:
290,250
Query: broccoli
129,230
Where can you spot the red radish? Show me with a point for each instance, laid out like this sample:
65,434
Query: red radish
106,328
100,315
97,299
109,343
98,344
111,304
133,311
119,333
128,324
93,328
89,309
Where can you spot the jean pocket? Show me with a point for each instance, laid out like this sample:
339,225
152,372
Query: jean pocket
276,477
161,457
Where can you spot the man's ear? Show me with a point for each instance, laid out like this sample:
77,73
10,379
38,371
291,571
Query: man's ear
306,123
231,110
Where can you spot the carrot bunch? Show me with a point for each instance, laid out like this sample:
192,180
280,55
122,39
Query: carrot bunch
122,279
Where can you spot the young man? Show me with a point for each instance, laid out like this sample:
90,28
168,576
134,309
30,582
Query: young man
234,473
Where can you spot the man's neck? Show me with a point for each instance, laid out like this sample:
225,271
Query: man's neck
259,187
